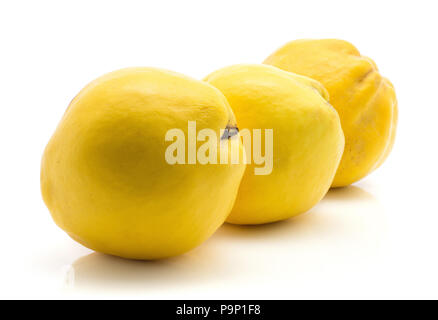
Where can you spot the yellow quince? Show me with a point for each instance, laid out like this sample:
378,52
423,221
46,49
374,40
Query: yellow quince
365,100
104,174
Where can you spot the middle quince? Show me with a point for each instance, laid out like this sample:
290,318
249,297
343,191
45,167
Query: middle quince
303,142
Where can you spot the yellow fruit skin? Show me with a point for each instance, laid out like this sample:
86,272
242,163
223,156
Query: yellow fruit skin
365,100
104,176
307,140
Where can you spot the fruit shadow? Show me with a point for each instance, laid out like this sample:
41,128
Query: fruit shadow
346,219
99,272
349,193
305,224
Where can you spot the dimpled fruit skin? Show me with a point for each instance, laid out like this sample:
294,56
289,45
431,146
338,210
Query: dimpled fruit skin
307,140
365,100
104,176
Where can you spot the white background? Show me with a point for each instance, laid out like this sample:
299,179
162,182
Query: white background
376,239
